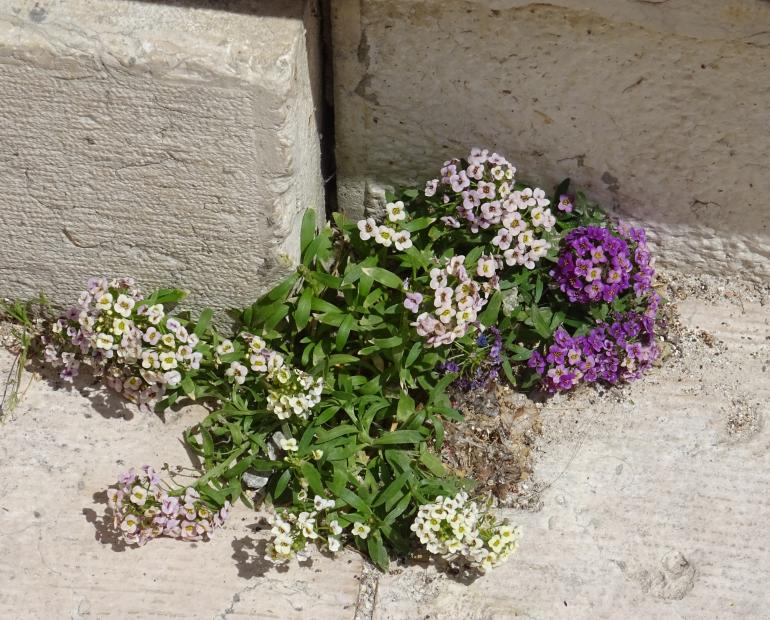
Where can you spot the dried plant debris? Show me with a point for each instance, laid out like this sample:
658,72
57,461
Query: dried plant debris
494,444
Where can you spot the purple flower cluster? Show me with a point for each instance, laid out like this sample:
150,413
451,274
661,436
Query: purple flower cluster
619,351
598,264
142,510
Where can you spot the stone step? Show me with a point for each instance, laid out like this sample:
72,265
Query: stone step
175,142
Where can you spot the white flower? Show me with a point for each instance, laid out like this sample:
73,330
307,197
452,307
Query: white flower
168,360
335,527
124,305
155,314
258,362
384,236
138,495
539,196
104,302
172,378
367,228
289,445
104,341
150,359
524,198
361,530
318,454
438,278
121,326
333,544
168,340
486,267
396,212
237,372
403,240
225,347
151,336
430,187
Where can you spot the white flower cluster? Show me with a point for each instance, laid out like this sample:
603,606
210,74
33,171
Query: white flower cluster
454,300
484,197
289,391
456,527
292,532
388,235
131,344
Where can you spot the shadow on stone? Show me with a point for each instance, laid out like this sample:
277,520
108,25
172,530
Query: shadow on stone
104,402
104,532
249,555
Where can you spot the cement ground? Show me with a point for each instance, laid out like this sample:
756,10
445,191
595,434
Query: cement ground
646,502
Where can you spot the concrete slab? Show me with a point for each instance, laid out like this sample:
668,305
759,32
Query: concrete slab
175,141
61,448
654,499
655,108
653,504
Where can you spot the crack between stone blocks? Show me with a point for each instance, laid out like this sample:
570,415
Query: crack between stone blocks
369,582
234,600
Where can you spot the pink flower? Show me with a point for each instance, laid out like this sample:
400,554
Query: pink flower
459,181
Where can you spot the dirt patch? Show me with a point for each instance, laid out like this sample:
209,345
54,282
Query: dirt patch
493,446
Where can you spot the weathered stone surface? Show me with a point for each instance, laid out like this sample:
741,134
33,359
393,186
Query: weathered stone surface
654,501
58,451
657,108
173,141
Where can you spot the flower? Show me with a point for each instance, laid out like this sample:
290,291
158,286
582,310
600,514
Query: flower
360,530
237,372
396,212
565,203
124,305
104,341
413,301
289,445
384,236
430,188
367,229
402,240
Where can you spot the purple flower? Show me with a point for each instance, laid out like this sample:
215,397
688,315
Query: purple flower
565,203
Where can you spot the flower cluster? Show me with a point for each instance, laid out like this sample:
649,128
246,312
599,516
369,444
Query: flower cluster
289,391
132,345
619,351
454,299
142,510
292,532
481,193
388,234
598,264
456,527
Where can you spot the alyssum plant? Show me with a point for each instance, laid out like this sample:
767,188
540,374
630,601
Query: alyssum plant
331,395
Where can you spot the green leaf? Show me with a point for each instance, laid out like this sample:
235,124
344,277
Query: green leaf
383,276
433,463
341,358
405,407
351,499
344,332
203,322
302,313
540,322
282,290
377,551
282,483
413,353
521,353
399,508
392,489
418,224
489,315
397,437
388,343
313,477
307,232
538,289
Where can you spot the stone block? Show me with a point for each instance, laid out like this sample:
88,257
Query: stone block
176,142
658,108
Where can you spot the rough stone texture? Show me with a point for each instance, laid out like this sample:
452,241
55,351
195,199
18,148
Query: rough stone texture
57,452
658,108
173,141
653,506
